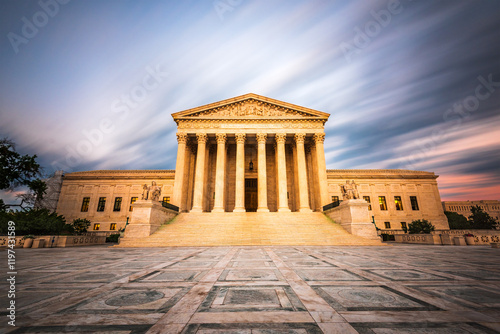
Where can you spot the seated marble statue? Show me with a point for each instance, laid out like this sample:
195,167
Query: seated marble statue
349,190
154,192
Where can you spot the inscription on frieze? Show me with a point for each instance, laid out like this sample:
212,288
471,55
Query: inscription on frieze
248,124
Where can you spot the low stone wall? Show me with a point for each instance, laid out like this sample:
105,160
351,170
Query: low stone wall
425,239
450,237
59,241
100,233
481,237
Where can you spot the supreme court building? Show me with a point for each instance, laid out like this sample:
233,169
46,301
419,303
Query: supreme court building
251,154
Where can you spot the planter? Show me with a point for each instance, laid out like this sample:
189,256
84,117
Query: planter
27,243
470,241
459,241
38,243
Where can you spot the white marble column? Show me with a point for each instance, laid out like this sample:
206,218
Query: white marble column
302,173
319,139
180,168
199,173
281,167
220,173
239,198
262,173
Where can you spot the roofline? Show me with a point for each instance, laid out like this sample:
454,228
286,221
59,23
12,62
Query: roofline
247,97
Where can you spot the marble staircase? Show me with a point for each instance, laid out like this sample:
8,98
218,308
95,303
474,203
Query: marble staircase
250,228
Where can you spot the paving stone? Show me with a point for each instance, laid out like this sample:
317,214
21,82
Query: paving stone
257,290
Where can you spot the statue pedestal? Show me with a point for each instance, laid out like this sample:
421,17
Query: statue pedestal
147,217
354,217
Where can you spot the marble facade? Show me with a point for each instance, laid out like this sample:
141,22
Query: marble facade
252,153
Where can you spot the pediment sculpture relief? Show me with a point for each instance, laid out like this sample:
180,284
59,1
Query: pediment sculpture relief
250,109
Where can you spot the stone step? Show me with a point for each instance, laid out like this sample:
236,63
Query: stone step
251,228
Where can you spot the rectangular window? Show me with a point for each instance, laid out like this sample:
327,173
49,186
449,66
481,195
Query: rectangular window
387,225
167,199
85,204
132,201
101,204
403,225
118,204
382,202
367,199
112,226
335,199
414,203
97,226
399,203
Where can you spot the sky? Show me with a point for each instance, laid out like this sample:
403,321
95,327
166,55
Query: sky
92,84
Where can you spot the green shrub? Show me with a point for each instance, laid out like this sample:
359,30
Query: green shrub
480,219
387,237
457,221
80,225
113,237
420,226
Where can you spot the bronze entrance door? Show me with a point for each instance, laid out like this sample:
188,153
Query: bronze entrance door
251,195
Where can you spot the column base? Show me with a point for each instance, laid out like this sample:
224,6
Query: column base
239,210
196,210
305,210
262,210
218,210
284,210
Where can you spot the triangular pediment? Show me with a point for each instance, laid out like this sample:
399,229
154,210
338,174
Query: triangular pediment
250,106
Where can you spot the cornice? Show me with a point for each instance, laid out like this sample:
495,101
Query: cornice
121,174
379,174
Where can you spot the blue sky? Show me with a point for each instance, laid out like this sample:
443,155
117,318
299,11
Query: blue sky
411,84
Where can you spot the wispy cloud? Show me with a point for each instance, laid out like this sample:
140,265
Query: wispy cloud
386,101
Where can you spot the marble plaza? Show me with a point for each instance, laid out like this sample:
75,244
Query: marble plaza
258,289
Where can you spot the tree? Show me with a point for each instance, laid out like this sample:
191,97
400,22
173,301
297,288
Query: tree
457,221
20,170
34,221
80,225
480,219
420,226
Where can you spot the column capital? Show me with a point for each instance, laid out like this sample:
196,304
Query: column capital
221,138
280,138
202,138
182,137
319,137
300,138
261,138
240,138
